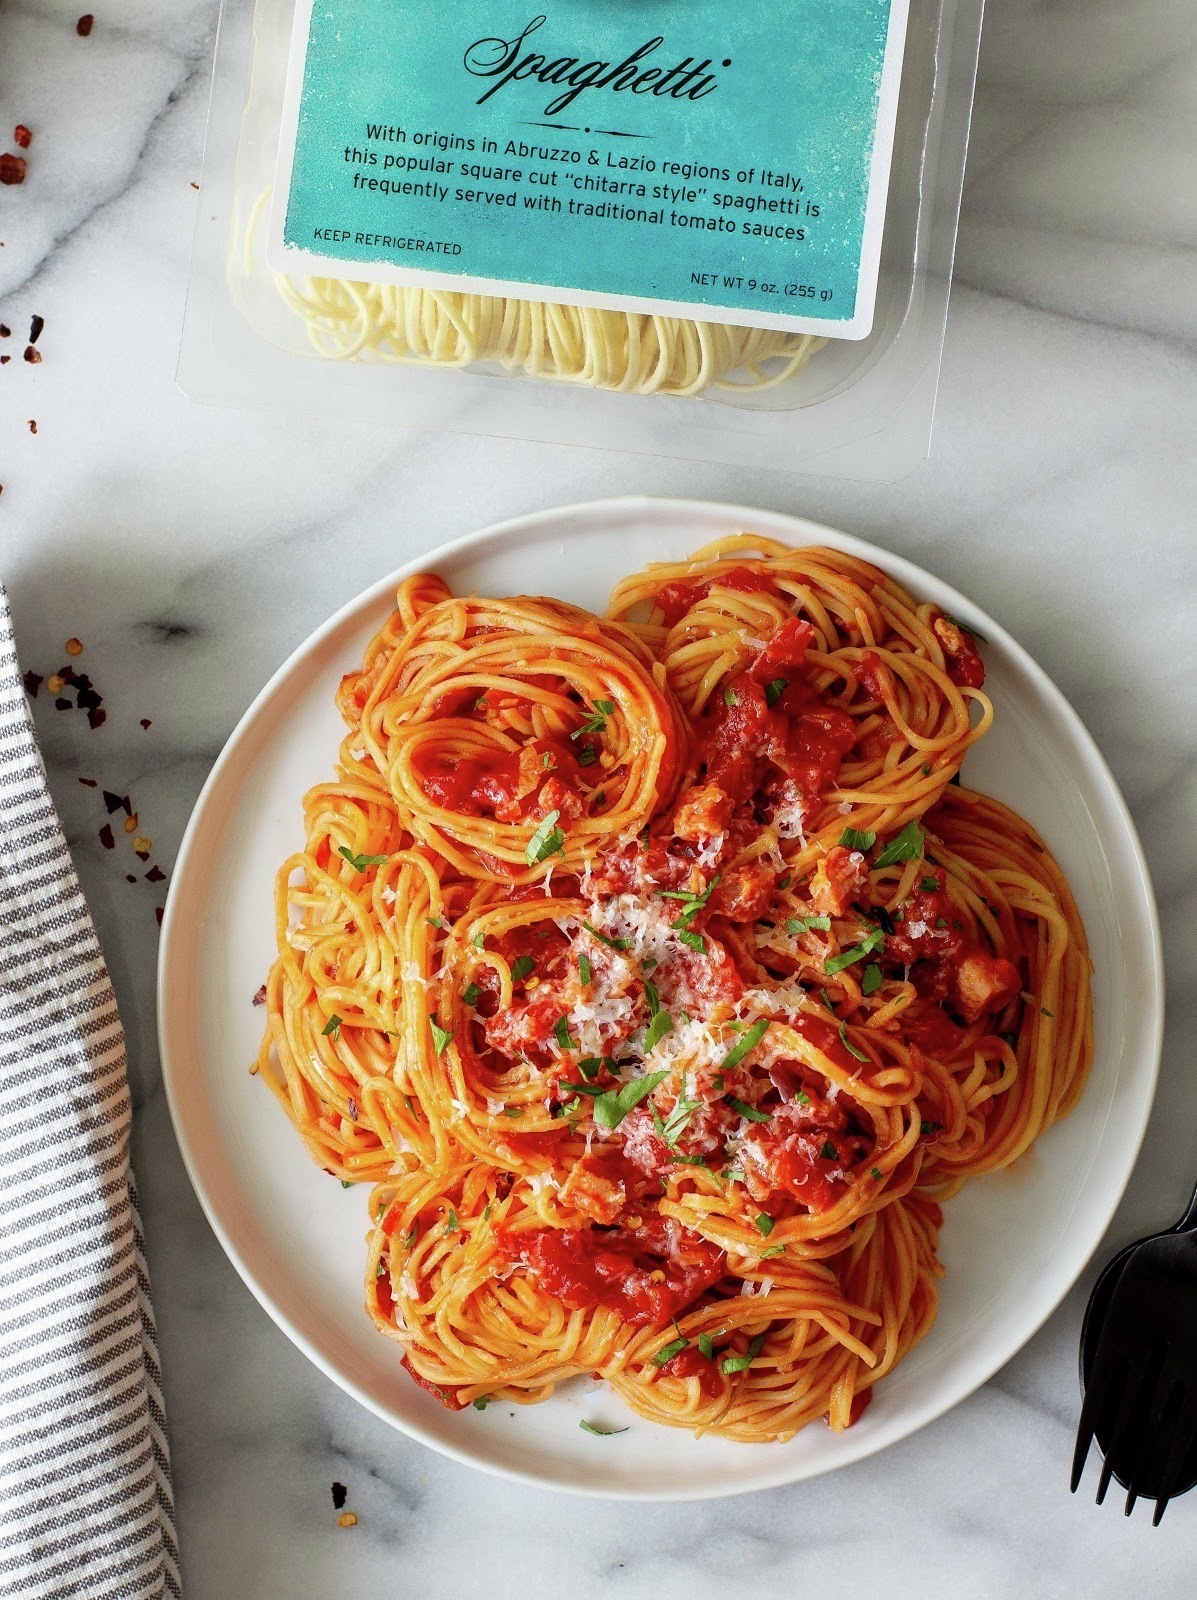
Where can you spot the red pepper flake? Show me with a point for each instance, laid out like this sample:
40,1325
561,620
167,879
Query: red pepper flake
114,802
158,912
32,356
89,783
155,875
63,705
340,1494
260,997
4,360
106,838
74,647
142,848
32,425
97,719
84,25
12,168
33,682
22,135
36,324
5,331
130,877
146,723
195,185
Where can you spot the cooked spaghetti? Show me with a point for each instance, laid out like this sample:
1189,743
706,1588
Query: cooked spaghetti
660,976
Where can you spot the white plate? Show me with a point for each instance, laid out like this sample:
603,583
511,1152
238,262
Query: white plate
297,1237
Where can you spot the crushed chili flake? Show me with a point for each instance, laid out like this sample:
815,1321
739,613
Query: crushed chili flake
36,324
33,682
22,135
32,425
106,838
131,822
89,783
32,356
347,1519
155,875
5,331
63,705
74,647
142,847
4,360
146,723
158,915
130,877
12,168
340,1494
260,997
114,802
195,185
97,719
84,25
351,1106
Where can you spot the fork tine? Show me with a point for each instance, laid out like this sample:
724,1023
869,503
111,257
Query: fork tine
1098,1392
1152,1405
1131,1401
1183,1434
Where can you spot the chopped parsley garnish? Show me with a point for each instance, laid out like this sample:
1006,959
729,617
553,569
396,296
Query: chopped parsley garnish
546,761
440,1036
611,1107
479,941
796,925
706,1346
829,1151
412,1234
729,697
612,944
653,995
546,841
590,1067
597,723
471,994
929,1127
693,903
590,1427
521,967
360,863
784,881
1045,1012
928,885
742,1363
773,1250
332,1028
775,690
802,1097
346,1183
872,979
587,756
584,970
966,628
874,941
849,1046
513,1111
926,769
451,1222
764,1223
435,922
875,1172
674,1125
857,839
562,1034
746,1042
482,1402
908,846
941,922
688,937
661,1024
673,1348
486,1212
748,1111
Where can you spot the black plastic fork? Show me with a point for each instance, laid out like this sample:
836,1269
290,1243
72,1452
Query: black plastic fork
1139,1369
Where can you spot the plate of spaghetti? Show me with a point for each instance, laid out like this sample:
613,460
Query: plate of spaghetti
708,1013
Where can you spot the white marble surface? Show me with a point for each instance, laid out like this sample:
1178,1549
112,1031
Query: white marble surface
191,549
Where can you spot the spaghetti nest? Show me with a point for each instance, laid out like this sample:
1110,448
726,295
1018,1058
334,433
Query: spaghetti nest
663,980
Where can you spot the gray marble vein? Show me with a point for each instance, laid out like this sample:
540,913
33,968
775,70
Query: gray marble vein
192,549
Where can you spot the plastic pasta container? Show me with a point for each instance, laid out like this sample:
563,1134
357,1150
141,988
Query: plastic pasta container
434,318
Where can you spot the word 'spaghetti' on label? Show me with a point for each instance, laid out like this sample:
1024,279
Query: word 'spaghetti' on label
689,157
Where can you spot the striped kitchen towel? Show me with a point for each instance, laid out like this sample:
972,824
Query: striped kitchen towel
85,1497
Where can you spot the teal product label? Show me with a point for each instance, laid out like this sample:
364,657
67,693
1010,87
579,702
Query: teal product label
725,160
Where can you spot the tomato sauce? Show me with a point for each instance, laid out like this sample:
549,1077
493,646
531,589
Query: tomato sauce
674,599
507,784
447,1397
691,1363
648,1275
